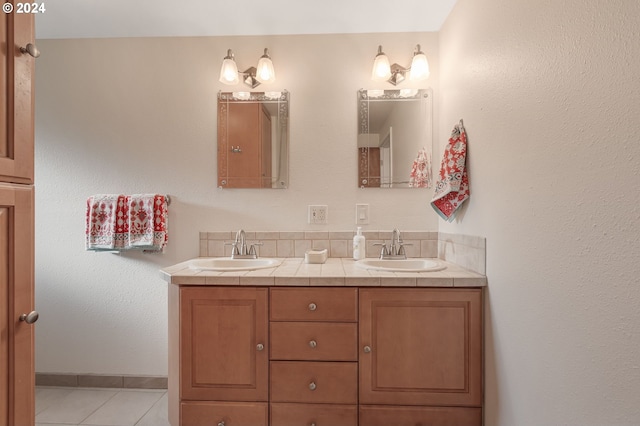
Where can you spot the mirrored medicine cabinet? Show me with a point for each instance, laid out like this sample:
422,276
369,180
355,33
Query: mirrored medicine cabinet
395,135
253,139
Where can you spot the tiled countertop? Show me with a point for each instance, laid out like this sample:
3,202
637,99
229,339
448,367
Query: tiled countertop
336,272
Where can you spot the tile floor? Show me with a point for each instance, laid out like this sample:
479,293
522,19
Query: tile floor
100,407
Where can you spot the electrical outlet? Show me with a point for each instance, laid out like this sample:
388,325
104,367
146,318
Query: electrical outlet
318,215
362,214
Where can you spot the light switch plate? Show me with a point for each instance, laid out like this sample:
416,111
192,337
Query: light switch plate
362,214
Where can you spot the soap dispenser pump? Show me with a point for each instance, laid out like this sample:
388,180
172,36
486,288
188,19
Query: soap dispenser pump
359,245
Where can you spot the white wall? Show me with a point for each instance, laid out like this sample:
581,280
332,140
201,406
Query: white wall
139,115
550,98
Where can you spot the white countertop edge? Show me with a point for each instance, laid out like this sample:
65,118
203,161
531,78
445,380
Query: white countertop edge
336,272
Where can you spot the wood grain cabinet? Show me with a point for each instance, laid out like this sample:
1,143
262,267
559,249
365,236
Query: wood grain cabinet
314,369
325,356
218,354
420,348
17,379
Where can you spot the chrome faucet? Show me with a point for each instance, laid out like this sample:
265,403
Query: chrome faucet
395,249
240,249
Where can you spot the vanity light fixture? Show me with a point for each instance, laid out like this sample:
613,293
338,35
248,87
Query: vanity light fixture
252,77
395,73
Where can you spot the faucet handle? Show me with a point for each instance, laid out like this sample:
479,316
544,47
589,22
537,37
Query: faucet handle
384,251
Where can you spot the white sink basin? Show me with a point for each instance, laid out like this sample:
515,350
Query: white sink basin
228,264
402,265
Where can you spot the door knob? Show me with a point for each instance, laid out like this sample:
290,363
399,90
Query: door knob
31,49
30,318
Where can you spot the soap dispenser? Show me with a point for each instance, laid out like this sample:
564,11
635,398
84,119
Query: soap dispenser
359,246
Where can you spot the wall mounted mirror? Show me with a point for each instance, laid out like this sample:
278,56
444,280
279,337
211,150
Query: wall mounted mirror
253,139
395,137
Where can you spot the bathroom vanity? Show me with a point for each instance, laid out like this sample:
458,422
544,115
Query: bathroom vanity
327,344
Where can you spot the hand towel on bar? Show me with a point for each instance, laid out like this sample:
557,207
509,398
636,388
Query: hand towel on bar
105,222
452,188
147,222
420,176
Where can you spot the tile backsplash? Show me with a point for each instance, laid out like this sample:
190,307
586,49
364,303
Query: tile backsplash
466,251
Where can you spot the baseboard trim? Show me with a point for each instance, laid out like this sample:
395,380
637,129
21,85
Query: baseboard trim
101,381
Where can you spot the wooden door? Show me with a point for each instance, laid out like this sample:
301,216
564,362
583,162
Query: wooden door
369,167
224,353
421,347
16,99
17,379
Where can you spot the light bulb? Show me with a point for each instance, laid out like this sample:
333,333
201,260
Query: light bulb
265,72
229,70
381,68
419,66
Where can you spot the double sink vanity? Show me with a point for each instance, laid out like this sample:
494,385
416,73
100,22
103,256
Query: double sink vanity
277,341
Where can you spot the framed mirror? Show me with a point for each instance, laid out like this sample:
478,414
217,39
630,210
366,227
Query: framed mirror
253,139
395,137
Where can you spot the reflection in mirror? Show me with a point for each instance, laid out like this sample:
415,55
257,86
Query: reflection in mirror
253,139
395,138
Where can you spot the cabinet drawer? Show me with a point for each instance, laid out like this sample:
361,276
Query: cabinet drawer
228,413
314,382
314,304
410,416
316,414
314,341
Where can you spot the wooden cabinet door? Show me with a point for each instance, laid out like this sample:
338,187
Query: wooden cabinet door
421,347
17,379
223,349
17,99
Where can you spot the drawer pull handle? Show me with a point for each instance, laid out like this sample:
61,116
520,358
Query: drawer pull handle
312,386
313,344
312,424
259,347
312,306
367,349
221,423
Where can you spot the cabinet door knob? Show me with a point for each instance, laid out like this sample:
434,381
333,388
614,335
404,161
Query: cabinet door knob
313,344
367,349
312,306
221,423
30,318
259,346
312,386
31,49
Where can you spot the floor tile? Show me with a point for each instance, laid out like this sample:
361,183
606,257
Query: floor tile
48,397
75,406
124,409
158,415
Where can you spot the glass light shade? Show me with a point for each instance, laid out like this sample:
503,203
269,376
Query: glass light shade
419,67
229,72
381,68
265,72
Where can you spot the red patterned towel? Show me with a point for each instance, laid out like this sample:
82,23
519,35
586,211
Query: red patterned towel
147,221
103,225
452,188
420,176
123,222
